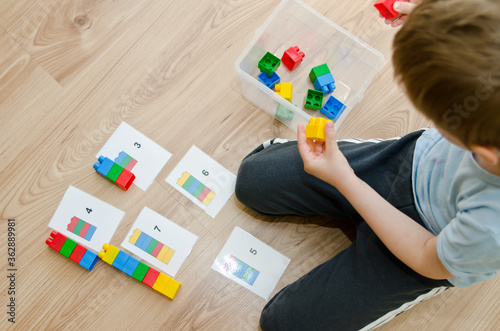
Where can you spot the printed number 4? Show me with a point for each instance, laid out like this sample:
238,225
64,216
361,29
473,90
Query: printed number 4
88,210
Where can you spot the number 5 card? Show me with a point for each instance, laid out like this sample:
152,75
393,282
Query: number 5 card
251,263
202,180
136,153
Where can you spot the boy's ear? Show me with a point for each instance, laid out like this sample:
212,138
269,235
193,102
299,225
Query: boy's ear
489,154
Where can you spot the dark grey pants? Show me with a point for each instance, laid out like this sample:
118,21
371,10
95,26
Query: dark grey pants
364,283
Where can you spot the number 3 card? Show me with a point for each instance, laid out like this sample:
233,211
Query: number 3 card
202,180
251,263
136,153
86,219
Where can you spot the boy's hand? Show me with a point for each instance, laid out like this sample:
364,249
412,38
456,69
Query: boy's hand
404,8
324,160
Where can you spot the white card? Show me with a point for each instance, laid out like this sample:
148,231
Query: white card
251,263
159,241
202,180
86,219
137,153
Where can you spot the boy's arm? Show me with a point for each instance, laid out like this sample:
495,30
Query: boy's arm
405,238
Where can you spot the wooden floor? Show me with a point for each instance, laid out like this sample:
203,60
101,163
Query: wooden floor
72,71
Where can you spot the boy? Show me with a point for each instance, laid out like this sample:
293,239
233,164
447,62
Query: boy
419,231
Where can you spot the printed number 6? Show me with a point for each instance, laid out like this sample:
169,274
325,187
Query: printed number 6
205,172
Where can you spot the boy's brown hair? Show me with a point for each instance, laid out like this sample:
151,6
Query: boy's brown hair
447,57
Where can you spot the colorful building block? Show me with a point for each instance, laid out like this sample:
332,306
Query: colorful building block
72,250
333,108
292,57
138,270
269,63
318,71
269,81
283,113
325,83
386,8
314,99
114,172
285,90
315,130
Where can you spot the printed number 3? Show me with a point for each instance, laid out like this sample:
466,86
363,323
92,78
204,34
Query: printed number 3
137,145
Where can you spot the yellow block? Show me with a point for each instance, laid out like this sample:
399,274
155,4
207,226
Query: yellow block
315,130
109,254
135,236
183,178
161,282
171,289
208,198
285,90
162,253
168,256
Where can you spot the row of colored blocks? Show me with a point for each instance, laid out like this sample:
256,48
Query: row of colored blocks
126,161
196,188
151,246
72,250
140,271
114,172
81,228
242,270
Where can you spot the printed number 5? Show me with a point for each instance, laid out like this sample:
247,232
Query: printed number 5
253,251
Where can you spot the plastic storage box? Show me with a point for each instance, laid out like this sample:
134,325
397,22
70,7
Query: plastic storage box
352,62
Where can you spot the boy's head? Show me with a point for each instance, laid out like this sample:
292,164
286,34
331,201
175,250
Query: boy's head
447,56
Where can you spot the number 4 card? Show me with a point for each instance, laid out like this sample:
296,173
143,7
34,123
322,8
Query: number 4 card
136,153
202,180
251,263
86,219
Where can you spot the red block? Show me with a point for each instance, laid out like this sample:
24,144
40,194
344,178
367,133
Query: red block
77,253
292,57
125,179
57,241
385,7
157,249
151,277
73,223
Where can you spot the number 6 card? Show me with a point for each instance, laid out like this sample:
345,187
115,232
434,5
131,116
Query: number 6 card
202,180
136,153
251,263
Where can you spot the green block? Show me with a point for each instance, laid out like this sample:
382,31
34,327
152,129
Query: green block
269,63
318,71
114,172
140,271
314,99
68,247
188,182
283,113
198,190
151,246
78,227
247,274
126,161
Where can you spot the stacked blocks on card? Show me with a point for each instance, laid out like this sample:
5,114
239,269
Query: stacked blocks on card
322,78
315,130
314,99
285,90
269,63
138,270
114,172
333,108
81,228
386,8
269,81
292,57
72,250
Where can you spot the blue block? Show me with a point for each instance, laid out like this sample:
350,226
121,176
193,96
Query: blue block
242,267
269,81
88,260
120,260
325,83
130,266
333,108
103,165
121,156
253,277
143,242
90,233
193,186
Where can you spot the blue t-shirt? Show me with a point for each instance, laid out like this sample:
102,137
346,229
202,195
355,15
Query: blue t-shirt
460,203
